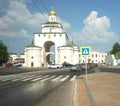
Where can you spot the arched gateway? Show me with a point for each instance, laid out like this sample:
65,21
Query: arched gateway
51,34
48,52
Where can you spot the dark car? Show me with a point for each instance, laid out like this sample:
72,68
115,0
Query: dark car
83,66
65,64
75,68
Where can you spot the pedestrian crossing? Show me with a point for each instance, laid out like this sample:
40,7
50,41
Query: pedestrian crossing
42,78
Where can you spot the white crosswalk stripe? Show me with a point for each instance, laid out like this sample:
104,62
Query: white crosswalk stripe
63,79
24,77
48,78
39,77
73,78
29,78
57,78
7,79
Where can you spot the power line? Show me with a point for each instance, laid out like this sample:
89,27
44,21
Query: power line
44,6
33,1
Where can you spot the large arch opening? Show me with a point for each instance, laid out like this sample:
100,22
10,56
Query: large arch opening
49,52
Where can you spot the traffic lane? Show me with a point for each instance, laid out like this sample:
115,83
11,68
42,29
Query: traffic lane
8,81
27,94
17,70
37,71
12,92
63,96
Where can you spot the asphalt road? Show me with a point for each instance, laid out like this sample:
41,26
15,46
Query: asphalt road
40,87
24,87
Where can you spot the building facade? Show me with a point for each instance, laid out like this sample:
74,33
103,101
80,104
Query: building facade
52,34
95,57
111,60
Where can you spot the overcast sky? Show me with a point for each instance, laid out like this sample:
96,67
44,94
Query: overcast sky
92,23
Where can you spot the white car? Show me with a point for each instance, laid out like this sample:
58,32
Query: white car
55,66
17,65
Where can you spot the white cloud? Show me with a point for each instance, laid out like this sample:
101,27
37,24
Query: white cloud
18,18
65,24
96,32
16,21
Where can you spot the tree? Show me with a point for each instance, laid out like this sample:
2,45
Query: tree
3,53
115,49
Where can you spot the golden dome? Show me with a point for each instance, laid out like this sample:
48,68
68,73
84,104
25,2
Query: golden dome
52,12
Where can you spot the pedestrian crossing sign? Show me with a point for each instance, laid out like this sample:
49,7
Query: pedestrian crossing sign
85,50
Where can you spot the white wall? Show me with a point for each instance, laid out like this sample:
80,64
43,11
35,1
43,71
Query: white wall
68,54
95,57
110,60
33,55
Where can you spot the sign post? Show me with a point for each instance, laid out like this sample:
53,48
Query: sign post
85,51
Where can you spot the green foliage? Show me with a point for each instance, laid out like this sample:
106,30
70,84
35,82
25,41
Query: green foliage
117,55
116,50
3,53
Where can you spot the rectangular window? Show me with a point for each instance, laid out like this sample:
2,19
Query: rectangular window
96,55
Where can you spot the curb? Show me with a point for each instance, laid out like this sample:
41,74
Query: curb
92,102
82,93
74,94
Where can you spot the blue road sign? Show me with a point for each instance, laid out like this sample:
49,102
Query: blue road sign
85,51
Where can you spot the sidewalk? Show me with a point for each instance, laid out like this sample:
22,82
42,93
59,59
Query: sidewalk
101,89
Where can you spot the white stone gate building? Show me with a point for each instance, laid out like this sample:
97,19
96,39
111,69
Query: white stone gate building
51,34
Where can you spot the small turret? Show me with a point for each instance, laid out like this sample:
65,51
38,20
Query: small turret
52,16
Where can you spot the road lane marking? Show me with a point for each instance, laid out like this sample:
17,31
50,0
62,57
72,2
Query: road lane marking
40,77
57,78
63,79
21,78
7,79
48,78
36,79
29,78
73,78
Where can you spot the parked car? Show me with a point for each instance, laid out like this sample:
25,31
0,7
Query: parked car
17,65
95,64
55,66
83,66
65,64
75,67
7,64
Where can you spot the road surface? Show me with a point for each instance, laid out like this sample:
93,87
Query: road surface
37,87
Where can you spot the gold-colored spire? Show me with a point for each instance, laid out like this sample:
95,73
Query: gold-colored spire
52,12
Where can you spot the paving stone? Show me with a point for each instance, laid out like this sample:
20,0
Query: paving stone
104,88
